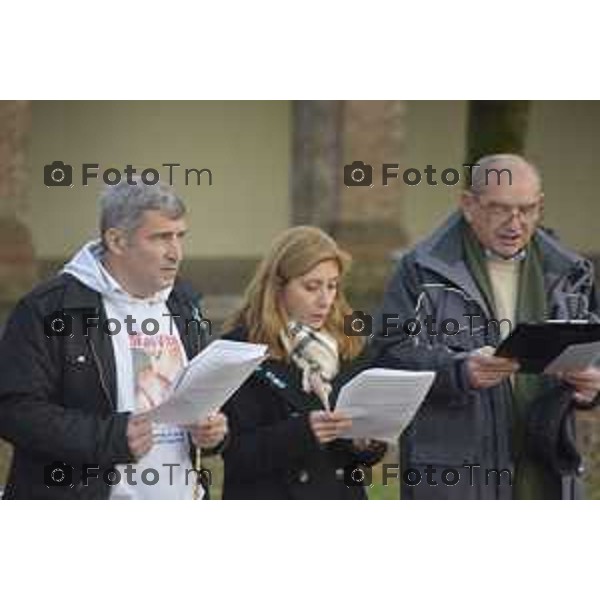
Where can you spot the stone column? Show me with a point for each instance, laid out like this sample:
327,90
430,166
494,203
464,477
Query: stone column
316,162
370,221
367,221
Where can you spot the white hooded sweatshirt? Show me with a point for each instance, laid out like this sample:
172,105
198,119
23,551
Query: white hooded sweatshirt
147,362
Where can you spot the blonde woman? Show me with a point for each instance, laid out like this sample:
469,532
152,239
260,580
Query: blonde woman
286,436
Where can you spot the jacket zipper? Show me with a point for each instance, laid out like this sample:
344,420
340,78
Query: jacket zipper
100,373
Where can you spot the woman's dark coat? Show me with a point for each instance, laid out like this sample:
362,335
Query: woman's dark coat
272,452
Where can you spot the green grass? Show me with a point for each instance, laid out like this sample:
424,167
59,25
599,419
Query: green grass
5,456
391,489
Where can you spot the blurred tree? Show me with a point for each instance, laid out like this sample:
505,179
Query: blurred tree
496,126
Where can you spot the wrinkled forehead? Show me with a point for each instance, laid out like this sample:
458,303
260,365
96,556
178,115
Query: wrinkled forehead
510,184
157,221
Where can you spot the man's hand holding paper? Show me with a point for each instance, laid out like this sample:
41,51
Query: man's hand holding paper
586,383
486,370
209,432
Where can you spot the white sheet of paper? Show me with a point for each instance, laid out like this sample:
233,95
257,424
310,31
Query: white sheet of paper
382,402
208,380
575,357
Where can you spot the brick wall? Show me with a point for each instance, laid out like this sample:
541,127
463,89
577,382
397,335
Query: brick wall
17,264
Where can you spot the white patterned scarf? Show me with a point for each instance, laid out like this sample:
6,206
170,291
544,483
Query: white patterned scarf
316,355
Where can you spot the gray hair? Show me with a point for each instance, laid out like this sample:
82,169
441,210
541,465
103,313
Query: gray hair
492,167
123,205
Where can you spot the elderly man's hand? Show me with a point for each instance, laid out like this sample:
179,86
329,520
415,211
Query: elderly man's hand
486,370
210,432
586,383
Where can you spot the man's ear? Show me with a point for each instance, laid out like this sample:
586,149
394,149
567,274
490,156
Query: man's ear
115,240
467,205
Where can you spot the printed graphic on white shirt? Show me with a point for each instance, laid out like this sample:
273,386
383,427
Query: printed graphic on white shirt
156,362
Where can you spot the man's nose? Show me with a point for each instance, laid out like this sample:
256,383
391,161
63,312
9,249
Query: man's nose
175,250
518,215
515,221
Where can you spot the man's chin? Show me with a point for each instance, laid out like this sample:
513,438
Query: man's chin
508,250
165,281
169,276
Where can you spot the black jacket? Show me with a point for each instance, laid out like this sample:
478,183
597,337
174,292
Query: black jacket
58,395
272,452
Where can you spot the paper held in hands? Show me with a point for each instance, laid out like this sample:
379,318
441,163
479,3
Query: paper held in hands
553,346
575,358
382,402
208,380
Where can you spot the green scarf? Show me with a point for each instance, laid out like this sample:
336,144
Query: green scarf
529,480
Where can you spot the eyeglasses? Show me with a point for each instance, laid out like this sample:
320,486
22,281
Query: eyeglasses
502,212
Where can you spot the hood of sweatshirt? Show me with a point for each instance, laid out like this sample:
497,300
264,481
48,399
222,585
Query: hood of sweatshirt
88,268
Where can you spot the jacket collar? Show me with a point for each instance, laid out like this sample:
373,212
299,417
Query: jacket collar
79,296
442,253
284,379
185,301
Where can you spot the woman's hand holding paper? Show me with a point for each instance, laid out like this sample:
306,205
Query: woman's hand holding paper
327,426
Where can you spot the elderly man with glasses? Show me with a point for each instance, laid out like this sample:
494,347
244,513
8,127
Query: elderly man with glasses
487,268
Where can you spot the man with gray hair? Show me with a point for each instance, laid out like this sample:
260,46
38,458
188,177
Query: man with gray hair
86,353
487,268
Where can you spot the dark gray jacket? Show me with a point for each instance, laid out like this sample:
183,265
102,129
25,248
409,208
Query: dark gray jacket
458,425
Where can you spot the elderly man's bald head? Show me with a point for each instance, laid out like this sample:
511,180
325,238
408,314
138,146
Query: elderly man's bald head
499,169
504,203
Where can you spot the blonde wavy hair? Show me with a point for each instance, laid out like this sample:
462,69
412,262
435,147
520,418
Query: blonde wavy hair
295,252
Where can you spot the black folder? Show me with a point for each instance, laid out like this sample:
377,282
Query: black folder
536,345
